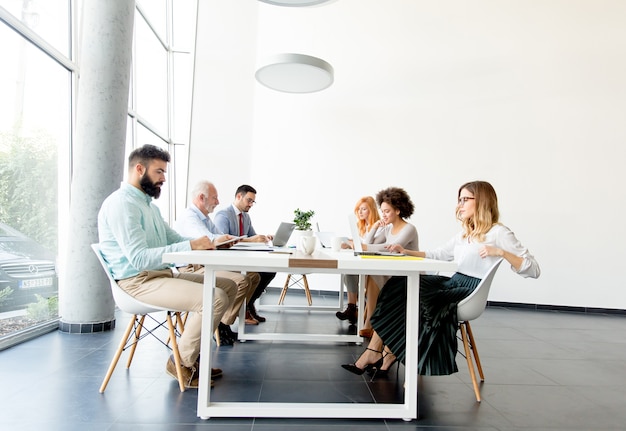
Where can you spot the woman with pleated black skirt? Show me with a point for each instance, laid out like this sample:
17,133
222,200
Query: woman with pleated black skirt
482,241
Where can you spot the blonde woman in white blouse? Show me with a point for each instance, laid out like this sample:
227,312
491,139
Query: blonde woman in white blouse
482,241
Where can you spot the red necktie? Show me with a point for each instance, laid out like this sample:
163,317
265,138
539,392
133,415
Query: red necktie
240,224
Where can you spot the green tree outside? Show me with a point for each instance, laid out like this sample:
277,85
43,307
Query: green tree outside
28,186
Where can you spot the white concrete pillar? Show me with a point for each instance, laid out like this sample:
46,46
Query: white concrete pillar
85,301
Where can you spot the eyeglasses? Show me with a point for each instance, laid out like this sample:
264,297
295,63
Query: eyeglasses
250,201
464,199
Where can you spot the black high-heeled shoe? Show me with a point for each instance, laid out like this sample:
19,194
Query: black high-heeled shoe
359,371
379,372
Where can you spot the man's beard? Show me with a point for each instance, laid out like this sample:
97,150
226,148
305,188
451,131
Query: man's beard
151,189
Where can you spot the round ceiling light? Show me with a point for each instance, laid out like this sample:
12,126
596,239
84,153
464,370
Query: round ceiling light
295,73
294,3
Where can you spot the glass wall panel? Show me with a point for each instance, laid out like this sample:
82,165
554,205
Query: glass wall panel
35,137
157,69
181,112
34,124
181,157
183,24
150,77
156,14
48,18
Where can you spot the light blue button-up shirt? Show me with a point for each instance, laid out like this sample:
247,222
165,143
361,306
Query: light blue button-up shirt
133,234
194,224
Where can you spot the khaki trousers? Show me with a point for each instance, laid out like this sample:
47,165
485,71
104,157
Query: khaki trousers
181,291
246,285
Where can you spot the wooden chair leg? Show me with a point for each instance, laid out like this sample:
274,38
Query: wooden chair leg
475,351
180,324
304,281
284,292
138,330
218,340
179,371
118,353
470,363
183,322
306,290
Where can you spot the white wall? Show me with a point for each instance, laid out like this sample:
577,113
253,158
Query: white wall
529,95
222,106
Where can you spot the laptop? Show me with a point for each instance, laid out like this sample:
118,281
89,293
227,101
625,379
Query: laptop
358,247
326,238
283,233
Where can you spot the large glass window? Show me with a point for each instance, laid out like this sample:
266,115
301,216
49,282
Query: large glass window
151,73
49,19
36,111
34,124
160,100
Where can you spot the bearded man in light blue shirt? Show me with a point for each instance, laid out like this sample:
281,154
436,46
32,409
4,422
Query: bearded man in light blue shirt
134,236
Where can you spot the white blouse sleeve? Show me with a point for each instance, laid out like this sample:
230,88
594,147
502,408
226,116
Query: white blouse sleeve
446,251
506,240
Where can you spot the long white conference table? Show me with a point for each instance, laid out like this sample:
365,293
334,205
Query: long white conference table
322,261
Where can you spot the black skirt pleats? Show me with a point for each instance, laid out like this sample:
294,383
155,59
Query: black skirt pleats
439,296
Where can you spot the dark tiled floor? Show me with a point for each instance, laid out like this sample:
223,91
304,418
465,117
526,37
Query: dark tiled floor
544,370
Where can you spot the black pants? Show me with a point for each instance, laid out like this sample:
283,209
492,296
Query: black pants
266,277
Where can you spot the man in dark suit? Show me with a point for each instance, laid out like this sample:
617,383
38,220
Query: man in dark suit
235,220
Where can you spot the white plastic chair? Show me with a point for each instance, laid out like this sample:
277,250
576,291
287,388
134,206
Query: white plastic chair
468,309
139,310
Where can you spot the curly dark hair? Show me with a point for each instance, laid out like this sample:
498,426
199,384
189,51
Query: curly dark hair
398,198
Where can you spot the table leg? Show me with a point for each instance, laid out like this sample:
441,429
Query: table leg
361,303
412,333
204,384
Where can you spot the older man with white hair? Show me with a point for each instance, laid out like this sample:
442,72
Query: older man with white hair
195,220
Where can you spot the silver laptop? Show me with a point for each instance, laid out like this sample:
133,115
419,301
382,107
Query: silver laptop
358,247
325,238
282,234
280,240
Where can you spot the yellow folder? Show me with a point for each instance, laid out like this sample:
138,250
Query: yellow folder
391,257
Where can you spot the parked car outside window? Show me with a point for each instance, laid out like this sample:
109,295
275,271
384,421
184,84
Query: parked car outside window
27,268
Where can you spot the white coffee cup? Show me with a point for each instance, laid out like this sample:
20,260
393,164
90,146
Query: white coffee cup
336,242
308,244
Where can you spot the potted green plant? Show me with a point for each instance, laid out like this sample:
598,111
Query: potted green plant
302,219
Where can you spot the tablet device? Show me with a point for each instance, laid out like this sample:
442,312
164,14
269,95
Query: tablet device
228,241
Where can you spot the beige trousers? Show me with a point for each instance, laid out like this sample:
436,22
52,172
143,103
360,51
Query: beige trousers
246,285
182,291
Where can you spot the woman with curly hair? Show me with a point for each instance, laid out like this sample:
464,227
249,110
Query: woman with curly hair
482,241
366,214
395,206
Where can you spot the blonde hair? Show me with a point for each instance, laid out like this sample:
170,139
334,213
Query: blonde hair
486,213
371,219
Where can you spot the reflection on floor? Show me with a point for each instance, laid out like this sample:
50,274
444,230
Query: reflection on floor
544,370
